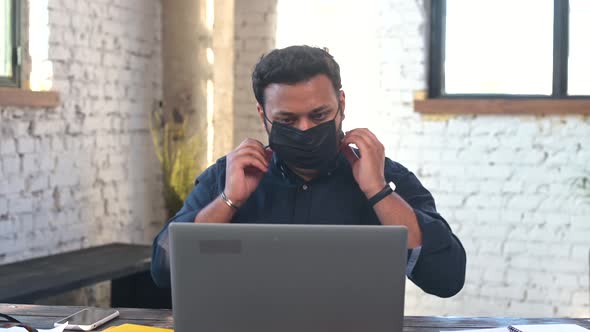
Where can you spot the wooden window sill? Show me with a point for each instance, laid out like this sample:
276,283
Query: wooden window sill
27,98
502,106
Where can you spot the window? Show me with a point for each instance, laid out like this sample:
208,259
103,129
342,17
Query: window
579,48
509,49
11,57
9,43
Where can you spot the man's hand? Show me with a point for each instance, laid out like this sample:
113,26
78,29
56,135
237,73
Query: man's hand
244,169
368,169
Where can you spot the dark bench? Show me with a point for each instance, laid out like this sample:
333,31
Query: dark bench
126,265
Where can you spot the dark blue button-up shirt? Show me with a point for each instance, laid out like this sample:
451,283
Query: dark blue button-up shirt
282,197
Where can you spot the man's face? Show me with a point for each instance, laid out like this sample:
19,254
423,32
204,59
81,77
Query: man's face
303,105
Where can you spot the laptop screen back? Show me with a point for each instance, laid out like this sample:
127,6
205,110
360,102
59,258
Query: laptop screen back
288,278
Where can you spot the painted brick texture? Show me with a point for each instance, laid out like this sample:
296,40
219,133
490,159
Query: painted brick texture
84,173
255,26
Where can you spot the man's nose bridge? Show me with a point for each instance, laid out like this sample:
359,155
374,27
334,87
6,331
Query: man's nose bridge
304,124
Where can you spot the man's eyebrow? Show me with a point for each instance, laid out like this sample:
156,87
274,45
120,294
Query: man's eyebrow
284,113
315,110
321,108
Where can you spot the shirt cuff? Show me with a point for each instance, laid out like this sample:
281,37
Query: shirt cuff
412,260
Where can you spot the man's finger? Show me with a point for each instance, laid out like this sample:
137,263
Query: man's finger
253,145
360,141
268,153
250,170
254,154
367,134
349,154
251,149
251,142
245,162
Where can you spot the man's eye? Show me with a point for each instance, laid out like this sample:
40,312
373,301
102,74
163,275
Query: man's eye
318,116
286,121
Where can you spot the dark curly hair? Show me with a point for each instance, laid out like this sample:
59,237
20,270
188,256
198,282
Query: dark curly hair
292,65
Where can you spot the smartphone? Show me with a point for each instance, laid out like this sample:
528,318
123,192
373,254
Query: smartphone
88,319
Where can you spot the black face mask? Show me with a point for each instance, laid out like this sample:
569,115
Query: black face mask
315,148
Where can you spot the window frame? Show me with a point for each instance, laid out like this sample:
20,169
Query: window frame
436,74
14,81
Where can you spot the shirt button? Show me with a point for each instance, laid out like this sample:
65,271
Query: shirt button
304,187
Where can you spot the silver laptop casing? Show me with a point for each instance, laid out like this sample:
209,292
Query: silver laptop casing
287,278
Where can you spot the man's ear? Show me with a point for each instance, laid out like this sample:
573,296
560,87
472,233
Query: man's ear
342,101
260,111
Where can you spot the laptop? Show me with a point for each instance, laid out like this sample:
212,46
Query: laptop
287,278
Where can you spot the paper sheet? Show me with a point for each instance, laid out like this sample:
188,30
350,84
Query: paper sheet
20,329
551,328
534,328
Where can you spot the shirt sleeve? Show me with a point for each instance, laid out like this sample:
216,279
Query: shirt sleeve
203,193
439,265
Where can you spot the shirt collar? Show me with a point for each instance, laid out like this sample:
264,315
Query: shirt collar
281,169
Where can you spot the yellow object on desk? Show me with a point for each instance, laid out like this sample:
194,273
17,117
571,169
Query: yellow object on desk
136,328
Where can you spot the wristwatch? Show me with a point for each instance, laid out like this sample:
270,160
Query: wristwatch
386,191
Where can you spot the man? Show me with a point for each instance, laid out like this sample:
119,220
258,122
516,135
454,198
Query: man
310,174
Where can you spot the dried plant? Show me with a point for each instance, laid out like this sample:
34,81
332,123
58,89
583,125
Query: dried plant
177,152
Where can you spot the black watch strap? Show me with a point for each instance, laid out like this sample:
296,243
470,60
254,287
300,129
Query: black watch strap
387,190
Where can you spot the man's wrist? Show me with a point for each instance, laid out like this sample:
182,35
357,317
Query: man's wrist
228,201
374,189
387,190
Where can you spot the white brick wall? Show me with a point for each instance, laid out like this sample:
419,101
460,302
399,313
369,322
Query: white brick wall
85,173
504,183
255,25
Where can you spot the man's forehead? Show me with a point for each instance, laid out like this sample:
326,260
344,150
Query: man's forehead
300,97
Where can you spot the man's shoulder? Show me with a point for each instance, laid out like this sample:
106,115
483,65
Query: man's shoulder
394,170
213,173
220,163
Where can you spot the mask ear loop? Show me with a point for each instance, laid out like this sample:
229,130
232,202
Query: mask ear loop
266,126
266,119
